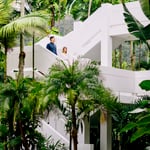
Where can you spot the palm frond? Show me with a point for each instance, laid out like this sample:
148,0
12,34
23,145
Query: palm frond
5,11
34,20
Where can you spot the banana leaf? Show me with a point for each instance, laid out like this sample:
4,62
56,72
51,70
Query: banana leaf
128,127
139,133
145,85
135,27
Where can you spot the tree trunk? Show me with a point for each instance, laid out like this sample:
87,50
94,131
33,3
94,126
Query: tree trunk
115,59
5,66
21,57
120,56
139,60
52,20
89,8
25,144
33,47
132,55
22,54
74,128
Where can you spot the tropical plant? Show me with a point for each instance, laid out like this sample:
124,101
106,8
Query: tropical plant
55,8
135,27
10,27
138,127
51,145
82,9
2,66
21,106
80,85
122,116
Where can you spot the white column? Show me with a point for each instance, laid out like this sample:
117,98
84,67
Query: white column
84,139
84,136
106,40
106,51
86,131
105,134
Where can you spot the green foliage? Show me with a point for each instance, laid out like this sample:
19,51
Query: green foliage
80,7
2,65
80,85
5,11
136,28
33,20
140,128
10,26
21,106
56,8
51,145
129,126
145,85
126,132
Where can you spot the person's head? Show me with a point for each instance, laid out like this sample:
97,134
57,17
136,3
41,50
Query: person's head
52,39
64,50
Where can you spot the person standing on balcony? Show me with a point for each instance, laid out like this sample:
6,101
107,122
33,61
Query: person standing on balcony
51,46
67,57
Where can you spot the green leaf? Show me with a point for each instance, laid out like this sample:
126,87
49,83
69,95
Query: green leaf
32,20
144,120
135,27
128,127
139,133
145,85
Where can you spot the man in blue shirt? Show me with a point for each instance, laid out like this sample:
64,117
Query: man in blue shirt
51,46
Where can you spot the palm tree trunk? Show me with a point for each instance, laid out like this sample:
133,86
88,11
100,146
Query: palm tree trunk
120,56
89,8
22,54
5,63
115,59
74,128
52,9
131,54
25,144
139,60
21,57
33,48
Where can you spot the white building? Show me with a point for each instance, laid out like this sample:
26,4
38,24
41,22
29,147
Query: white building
95,38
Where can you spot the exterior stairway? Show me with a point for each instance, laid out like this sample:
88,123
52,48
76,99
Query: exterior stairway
95,38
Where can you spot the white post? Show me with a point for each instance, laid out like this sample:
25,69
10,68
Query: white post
86,131
84,138
105,134
106,51
106,40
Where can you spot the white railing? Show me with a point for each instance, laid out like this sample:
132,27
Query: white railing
47,130
124,83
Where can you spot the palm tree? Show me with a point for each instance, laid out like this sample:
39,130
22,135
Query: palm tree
21,106
81,86
9,29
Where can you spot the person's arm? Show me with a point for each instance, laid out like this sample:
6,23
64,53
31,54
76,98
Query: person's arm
47,46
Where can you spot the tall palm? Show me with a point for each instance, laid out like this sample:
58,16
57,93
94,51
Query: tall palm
11,27
81,86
